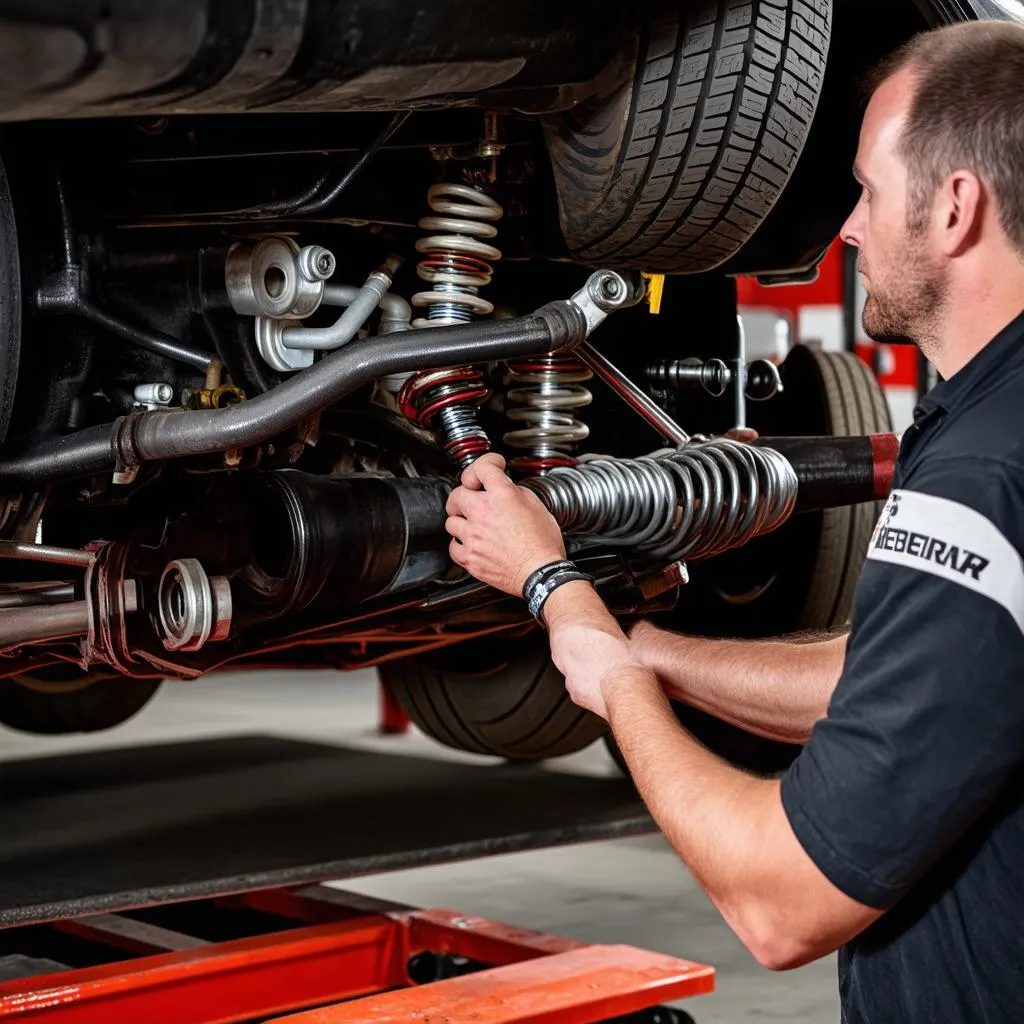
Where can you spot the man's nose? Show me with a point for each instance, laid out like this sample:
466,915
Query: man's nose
850,232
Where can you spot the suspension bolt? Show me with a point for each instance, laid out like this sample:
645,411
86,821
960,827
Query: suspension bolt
316,263
193,607
153,395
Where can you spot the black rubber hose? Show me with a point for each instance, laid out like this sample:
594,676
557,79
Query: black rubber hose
167,435
62,458
838,471
313,199
161,344
324,201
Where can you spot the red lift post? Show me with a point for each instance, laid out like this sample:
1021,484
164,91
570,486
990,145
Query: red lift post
348,957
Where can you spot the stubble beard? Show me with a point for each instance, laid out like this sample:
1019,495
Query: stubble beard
907,299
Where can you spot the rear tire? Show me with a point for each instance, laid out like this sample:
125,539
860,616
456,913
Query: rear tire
50,703
802,577
502,697
677,168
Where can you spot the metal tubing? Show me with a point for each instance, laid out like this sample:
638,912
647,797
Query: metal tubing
34,595
344,329
395,312
174,434
53,622
322,202
739,375
637,400
46,553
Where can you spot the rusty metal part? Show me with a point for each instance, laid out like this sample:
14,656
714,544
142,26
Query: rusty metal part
46,553
24,595
111,597
34,624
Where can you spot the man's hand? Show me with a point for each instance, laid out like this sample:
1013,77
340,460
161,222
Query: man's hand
592,658
501,532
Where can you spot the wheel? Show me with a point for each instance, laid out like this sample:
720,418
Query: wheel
675,169
64,700
802,577
497,696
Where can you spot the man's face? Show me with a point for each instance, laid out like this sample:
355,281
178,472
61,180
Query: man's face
905,285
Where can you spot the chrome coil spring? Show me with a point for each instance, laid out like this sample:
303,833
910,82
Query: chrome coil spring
446,401
690,503
456,263
553,390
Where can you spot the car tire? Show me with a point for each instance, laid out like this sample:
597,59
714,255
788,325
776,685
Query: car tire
676,168
813,562
502,697
853,403
49,706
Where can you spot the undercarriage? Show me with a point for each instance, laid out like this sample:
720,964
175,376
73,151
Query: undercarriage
253,327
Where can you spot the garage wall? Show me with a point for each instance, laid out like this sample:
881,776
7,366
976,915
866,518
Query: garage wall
816,314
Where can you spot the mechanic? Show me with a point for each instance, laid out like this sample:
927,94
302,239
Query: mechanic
898,833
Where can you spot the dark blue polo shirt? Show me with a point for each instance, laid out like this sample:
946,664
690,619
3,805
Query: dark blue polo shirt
909,796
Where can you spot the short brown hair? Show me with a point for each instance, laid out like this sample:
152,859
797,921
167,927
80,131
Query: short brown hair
967,113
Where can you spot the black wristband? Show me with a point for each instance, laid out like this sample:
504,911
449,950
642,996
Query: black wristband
540,592
543,573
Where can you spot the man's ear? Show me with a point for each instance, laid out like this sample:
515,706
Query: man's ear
959,212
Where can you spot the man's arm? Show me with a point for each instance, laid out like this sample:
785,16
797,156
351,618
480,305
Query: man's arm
777,689
728,827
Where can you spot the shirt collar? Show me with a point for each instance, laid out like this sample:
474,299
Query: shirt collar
995,359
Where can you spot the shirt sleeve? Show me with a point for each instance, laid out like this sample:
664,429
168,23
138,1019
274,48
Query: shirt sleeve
927,722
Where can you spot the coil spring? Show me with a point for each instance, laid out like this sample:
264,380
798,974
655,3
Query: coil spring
446,401
554,389
456,266
456,263
692,503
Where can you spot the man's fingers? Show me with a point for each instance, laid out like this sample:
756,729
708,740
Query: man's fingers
471,476
456,526
457,553
488,472
744,434
461,502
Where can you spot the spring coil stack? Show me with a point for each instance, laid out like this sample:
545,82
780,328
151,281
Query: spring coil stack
549,390
456,264
690,503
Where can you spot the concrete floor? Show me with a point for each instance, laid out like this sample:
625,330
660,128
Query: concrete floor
630,891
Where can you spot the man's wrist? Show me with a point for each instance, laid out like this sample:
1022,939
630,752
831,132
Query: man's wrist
630,680
537,566
577,604
545,581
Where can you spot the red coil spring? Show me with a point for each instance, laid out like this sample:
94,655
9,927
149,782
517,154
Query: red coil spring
446,401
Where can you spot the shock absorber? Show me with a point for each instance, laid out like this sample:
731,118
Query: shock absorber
553,389
446,401
456,264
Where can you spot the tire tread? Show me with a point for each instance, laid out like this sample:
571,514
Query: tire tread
724,98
